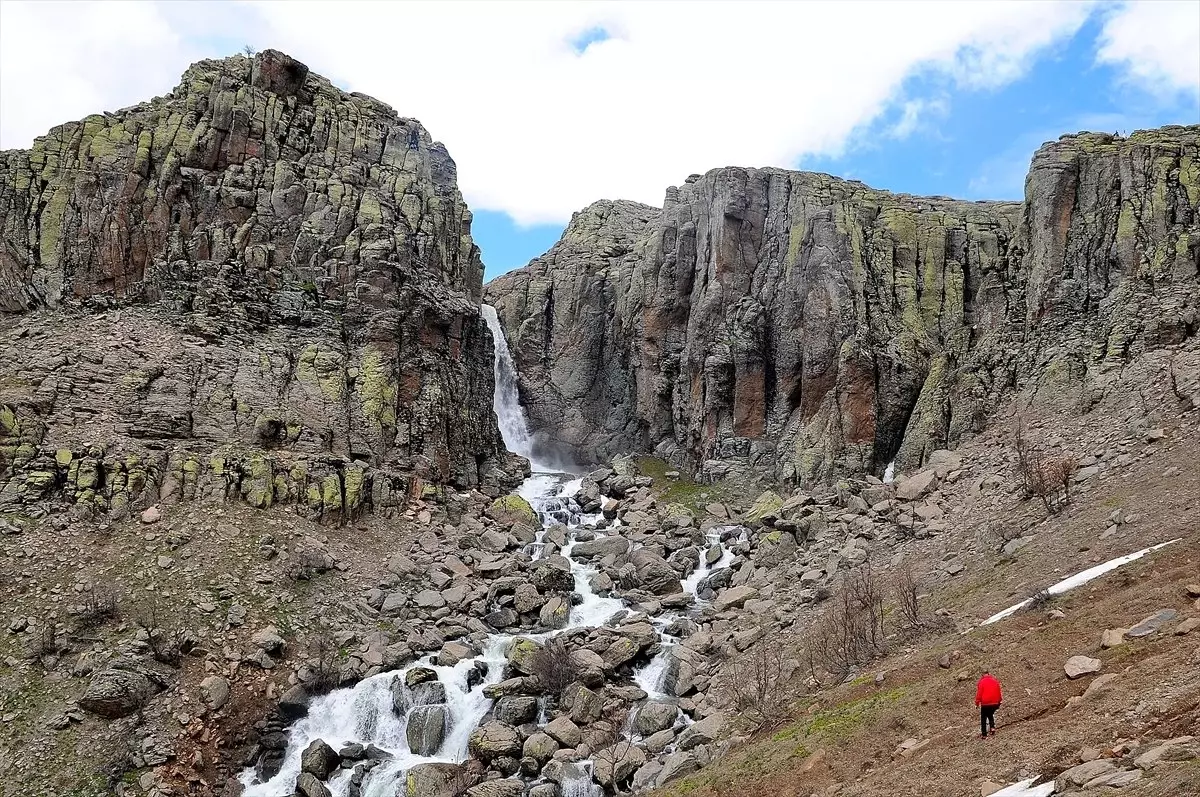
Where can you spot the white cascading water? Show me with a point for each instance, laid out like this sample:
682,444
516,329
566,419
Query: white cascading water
365,713
506,400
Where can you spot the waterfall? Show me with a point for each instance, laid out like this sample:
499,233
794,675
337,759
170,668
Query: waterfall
431,721
506,401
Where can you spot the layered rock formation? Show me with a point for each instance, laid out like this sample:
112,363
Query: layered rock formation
811,326
257,285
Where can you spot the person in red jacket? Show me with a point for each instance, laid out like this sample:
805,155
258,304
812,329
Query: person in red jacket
987,697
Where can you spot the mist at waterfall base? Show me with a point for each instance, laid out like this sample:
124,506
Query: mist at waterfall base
384,712
546,456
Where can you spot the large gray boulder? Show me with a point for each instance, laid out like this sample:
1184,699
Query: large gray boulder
123,687
319,759
494,740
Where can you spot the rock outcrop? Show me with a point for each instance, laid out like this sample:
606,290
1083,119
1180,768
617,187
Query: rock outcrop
257,286
811,326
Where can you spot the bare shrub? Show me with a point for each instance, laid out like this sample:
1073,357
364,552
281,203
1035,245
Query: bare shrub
45,641
906,594
1047,478
167,641
757,683
324,663
851,632
100,604
555,667
611,763
1039,600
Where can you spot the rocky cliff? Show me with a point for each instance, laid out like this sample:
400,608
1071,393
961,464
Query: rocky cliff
258,286
808,326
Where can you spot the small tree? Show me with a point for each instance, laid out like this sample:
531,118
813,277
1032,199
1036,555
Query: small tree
248,50
324,663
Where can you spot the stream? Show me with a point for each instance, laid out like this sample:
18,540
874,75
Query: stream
437,718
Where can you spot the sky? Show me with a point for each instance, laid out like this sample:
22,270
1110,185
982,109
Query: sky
549,106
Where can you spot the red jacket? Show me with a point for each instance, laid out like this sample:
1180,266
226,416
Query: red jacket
987,693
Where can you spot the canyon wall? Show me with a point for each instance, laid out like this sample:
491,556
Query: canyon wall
804,326
259,286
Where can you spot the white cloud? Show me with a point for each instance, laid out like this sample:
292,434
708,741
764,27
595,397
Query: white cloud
1158,44
61,61
539,129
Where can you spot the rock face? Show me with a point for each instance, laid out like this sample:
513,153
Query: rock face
810,326
257,286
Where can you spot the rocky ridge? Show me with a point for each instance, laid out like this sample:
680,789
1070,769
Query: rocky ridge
257,287
803,326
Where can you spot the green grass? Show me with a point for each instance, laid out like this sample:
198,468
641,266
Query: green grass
682,490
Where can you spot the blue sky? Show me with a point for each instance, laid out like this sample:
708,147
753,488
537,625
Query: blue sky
964,143
549,106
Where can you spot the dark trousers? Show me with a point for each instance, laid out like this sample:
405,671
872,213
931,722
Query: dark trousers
987,716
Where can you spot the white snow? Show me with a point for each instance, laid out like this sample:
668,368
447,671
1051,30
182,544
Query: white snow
889,473
1026,789
1082,578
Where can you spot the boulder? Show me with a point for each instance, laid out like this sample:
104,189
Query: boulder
564,731
319,759
494,740
1079,666
308,785
510,509
426,728
677,765
1152,623
293,704
765,509
500,787
516,710
555,613
121,689
616,763
706,731
430,780
1112,637
655,716
734,598
215,691
918,485
541,747
1081,774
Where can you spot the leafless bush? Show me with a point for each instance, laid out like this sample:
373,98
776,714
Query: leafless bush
1047,478
166,640
100,604
45,641
555,667
325,664
757,682
851,632
905,592
611,763
1039,600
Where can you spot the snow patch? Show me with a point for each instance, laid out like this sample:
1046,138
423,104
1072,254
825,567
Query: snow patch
1082,578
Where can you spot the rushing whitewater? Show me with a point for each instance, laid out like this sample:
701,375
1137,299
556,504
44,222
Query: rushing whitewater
506,401
367,713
